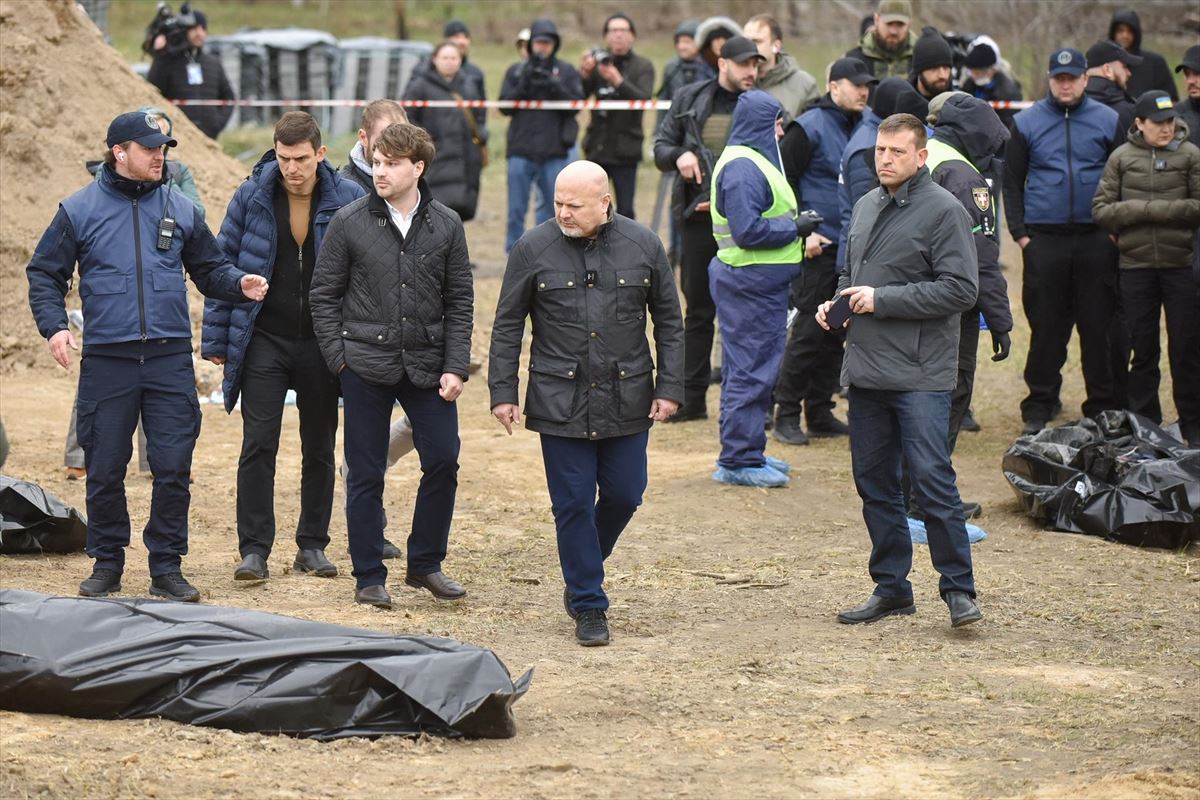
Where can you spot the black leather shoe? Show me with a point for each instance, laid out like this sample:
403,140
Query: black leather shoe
969,423
687,413
572,613
101,583
787,430
971,510
441,587
714,376
314,562
591,627
252,568
826,426
1032,426
963,610
390,550
373,596
174,586
877,607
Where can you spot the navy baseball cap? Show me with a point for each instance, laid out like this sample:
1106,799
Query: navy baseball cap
1068,61
140,127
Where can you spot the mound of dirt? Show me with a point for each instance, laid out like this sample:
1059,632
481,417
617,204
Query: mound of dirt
60,86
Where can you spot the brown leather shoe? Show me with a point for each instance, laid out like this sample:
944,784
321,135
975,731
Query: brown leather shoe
373,596
75,473
441,587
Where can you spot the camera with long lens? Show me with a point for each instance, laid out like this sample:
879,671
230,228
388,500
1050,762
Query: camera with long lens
173,27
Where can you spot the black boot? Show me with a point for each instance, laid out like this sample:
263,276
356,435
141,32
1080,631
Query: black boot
787,430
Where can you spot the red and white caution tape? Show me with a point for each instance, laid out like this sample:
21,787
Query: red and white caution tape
544,105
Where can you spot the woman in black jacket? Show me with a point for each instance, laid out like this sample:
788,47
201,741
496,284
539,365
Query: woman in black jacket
459,133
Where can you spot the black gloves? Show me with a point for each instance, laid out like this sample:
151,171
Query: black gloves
1001,344
807,222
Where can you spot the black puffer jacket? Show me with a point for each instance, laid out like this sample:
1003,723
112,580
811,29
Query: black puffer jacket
169,74
1105,91
590,371
388,306
454,174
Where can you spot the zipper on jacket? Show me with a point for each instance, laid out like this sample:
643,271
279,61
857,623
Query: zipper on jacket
300,266
137,260
1070,171
1153,228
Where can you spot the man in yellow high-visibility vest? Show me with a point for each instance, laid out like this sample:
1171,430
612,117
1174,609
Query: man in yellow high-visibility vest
760,244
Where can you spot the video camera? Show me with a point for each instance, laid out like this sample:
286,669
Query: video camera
172,26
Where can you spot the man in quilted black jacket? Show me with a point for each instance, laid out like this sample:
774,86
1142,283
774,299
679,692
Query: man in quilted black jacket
392,305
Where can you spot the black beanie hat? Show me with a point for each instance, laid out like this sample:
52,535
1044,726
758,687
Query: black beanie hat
930,51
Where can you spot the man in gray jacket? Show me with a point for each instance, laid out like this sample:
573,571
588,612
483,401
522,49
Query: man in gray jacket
587,280
911,270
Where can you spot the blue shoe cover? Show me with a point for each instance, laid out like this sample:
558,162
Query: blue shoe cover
763,477
778,464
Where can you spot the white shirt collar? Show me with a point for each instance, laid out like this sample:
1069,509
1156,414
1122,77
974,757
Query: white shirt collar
404,221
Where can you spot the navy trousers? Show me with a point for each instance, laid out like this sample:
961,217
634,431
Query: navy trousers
113,393
368,415
886,428
588,527
752,307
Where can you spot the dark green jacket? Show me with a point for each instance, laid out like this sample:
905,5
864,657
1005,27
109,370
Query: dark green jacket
884,63
1150,199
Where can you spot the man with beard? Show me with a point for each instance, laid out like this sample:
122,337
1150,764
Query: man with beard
1108,73
887,46
779,75
932,63
689,142
1189,107
587,282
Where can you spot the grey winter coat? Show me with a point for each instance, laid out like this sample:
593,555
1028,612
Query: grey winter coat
590,370
794,88
388,306
916,250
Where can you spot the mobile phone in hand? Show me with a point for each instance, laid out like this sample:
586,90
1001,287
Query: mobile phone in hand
838,313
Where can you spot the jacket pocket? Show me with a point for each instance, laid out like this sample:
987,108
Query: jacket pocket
435,333
633,286
558,295
635,388
102,284
552,387
168,280
373,332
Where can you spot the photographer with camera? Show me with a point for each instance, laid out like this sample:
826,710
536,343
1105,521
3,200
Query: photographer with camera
614,138
538,139
181,70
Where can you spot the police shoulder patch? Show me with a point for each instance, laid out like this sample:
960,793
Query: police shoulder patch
982,197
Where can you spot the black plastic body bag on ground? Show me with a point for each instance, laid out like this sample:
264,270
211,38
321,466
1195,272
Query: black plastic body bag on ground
244,670
1118,475
34,521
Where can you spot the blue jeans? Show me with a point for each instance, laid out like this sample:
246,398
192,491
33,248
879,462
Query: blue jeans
886,429
368,413
522,174
588,528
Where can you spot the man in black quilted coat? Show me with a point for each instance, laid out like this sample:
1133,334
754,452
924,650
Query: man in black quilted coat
392,306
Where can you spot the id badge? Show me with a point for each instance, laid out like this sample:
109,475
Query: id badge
195,74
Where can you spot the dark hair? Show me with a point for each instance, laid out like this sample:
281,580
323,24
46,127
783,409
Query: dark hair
769,21
906,122
619,15
296,127
381,109
442,47
405,140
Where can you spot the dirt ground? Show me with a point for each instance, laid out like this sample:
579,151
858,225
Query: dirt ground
727,675
1082,681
